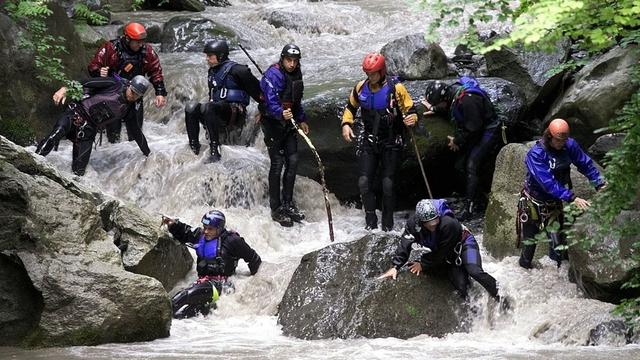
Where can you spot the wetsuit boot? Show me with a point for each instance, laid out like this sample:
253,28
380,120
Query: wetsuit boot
371,220
214,153
281,217
292,211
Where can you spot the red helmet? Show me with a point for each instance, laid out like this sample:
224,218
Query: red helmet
135,31
374,62
559,129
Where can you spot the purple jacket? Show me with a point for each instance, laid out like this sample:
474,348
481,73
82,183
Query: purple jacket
277,87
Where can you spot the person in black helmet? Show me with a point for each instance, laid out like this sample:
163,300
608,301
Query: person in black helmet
283,89
218,251
230,87
476,130
105,101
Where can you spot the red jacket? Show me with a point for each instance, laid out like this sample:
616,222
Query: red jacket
108,55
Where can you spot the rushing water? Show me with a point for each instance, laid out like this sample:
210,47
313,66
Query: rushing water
549,314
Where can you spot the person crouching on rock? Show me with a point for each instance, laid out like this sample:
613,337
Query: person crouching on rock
218,251
448,243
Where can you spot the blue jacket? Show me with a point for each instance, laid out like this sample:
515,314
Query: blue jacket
548,171
274,86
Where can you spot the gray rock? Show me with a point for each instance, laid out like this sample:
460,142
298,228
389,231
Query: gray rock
71,285
184,33
28,99
21,303
334,293
599,91
177,5
604,144
601,269
610,333
528,69
146,249
412,58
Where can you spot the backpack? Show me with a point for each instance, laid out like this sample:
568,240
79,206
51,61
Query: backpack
469,85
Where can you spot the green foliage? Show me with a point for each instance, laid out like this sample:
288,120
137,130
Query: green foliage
45,47
18,131
595,24
82,11
136,5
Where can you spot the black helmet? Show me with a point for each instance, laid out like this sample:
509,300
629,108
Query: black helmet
437,92
139,84
292,51
219,47
214,218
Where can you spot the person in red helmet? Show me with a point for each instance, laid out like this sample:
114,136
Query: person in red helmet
126,57
386,108
547,184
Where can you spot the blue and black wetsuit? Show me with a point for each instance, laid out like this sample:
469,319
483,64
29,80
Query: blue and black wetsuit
547,184
452,246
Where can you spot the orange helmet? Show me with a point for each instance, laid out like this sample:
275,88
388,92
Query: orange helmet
374,62
135,31
559,129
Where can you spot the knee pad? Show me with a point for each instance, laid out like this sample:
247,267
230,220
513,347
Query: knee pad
192,107
363,184
387,186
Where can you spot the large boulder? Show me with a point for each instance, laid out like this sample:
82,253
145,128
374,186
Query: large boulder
599,91
529,70
177,5
413,58
70,286
601,269
186,33
27,99
146,249
334,293
500,216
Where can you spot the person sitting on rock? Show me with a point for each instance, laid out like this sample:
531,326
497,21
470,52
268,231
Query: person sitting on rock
230,87
435,227
218,251
547,185
106,100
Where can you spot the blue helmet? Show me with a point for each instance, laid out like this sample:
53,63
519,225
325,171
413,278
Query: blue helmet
214,218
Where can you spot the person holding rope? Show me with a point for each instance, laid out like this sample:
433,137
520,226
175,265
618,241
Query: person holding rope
452,245
547,184
218,251
230,87
106,100
386,107
283,89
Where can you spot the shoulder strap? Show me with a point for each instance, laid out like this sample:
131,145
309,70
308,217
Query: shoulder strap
227,66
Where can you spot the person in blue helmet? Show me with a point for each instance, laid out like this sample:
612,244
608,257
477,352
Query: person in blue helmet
283,89
547,184
218,251
450,244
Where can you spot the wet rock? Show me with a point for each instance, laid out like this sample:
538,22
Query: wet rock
28,99
216,3
146,248
601,269
529,70
604,144
184,33
177,5
316,23
599,91
334,293
21,302
610,333
413,58
81,295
